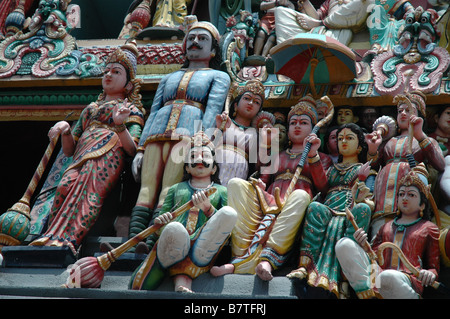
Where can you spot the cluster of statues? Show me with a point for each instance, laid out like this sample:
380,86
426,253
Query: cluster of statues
326,185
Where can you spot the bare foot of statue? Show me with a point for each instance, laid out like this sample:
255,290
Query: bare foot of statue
183,284
306,22
264,271
217,271
298,273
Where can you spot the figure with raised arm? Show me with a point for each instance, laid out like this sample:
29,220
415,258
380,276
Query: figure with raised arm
348,188
107,131
269,218
237,152
392,155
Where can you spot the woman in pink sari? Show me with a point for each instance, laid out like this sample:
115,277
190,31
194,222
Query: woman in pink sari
107,131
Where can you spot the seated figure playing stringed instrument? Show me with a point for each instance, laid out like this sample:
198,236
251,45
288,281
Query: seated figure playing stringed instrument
189,243
325,223
412,263
268,220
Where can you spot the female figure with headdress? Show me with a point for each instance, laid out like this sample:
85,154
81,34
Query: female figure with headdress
237,153
266,228
107,131
415,235
186,246
393,155
326,223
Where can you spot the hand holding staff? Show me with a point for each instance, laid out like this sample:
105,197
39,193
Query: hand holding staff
92,269
362,240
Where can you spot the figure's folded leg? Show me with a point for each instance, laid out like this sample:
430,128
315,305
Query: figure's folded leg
393,284
357,267
213,236
242,197
285,229
286,24
173,244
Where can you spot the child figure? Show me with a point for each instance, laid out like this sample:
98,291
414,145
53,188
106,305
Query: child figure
411,230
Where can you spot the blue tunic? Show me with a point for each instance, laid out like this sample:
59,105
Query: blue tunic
183,98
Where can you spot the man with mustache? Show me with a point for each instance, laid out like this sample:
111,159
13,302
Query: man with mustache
187,245
184,99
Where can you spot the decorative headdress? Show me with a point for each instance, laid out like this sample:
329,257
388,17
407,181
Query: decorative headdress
200,139
253,86
417,177
262,118
126,55
416,99
305,106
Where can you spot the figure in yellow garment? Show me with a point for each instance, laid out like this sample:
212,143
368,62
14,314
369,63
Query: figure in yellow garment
170,13
263,236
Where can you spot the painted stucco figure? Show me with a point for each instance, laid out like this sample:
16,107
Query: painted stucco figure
106,133
187,245
415,235
185,101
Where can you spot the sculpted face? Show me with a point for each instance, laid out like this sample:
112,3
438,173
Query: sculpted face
282,134
201,162
300,127
332,142
345,116
347,142
369,116
198,45
249,105
443,122
403,115
321,111
47,6
114,79
408,201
